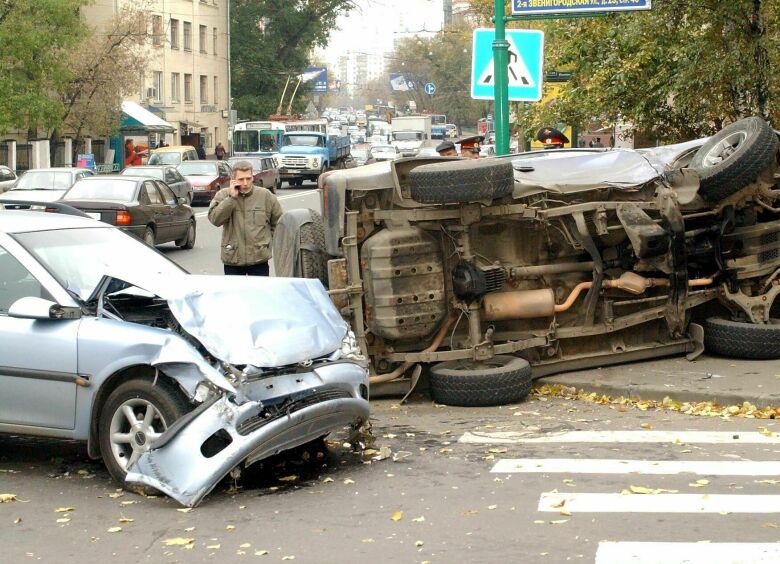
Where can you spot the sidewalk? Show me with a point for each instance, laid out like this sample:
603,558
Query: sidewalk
724,381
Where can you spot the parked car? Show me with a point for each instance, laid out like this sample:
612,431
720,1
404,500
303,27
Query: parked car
207,178
359,155
168,174
175,380
139,205
383,153
45,184
551,260
7,178
264,171
172,155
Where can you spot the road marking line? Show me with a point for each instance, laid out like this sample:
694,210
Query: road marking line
701,437
657,503
615,466
686,552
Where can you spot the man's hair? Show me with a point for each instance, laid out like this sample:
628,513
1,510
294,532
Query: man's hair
241,165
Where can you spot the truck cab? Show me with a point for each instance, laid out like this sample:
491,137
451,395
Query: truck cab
305,155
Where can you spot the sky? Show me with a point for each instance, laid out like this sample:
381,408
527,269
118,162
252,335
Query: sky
372,26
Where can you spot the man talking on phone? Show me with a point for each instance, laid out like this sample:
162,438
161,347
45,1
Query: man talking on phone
248,216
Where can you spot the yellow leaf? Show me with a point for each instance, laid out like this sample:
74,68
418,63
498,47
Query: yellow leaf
291,478
565,512
646,426
641,490
214,546
470,512
17,520
397,516
245,545
703,482
772,482
368,541
178,541
184,509
230,528
63,520
418,543
288,557
539,522
116,495
349,481
189,529
559,522
7,498
560,504
497,450
127,502
261,552
771,525
419,519
64,509
327,480
491,507
114,529
568,481
126,520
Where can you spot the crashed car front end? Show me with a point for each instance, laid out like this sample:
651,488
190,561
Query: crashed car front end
267,364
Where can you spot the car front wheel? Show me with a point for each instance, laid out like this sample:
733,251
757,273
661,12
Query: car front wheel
135,414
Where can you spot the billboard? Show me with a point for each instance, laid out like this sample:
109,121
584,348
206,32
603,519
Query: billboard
399,83
318,76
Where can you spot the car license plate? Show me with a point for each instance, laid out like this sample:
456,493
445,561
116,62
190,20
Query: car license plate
94,215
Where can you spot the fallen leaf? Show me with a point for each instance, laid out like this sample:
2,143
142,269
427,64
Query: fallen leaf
560,504
230,528
497,450
17,520
327,480
397,516
646,426
126,520
288,557
189,529
127,502
214,546
178,541
349,481
559,522
642,490
537,522
7,498
565,512
492,506
63,520
261,552
568,481
240,552
699,483
83,472
367,541
772,482
419,519
291,478
470,512
445,450
116,495
184,509
64,509
418,543
771,525
765,431
114,530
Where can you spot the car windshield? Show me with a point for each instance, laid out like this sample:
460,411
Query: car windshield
359,153
197,168
79,258
102,189
141,171
303,140
44,180
256,163
407,135
169,158
376,150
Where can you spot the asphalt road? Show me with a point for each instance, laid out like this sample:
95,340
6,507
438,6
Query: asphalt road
518,483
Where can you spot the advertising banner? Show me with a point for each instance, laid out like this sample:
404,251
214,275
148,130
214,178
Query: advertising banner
529,7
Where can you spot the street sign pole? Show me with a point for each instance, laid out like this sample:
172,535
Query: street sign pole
500,63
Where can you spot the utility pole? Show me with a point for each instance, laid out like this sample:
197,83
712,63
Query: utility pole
500,60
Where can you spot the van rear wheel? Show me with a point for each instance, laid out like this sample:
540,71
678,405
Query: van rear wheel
501,380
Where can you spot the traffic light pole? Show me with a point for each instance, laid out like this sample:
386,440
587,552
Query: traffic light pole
500,61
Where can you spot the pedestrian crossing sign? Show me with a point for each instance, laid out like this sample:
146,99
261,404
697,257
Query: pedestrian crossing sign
525,58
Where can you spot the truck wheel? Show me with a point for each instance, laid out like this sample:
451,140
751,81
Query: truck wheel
461,181
736,339
502,379
734,157
313,261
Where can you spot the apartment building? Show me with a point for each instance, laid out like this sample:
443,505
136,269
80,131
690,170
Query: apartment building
187,82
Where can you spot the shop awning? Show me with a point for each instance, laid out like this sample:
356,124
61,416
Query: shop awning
136,118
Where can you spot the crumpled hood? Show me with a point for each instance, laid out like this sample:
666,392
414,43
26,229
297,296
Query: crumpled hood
260,321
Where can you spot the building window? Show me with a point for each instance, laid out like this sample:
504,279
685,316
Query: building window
202,38
187,36
174,34
188,88
175,77
204,89
157,32
214,92
157,88
214,41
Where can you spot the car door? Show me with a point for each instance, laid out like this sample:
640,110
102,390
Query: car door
38,358
179,216
171,178
160,211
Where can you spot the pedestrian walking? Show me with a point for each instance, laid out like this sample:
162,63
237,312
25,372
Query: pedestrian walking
248,215
201,152
219,151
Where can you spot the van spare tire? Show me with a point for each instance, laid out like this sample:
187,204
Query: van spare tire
501,380
461,181
734,157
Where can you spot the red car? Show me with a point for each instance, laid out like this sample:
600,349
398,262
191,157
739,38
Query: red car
207,178
264,171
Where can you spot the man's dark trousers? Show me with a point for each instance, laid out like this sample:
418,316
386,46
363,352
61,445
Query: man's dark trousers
259,269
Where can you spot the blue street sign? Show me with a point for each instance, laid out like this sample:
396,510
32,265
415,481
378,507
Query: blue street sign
526,54
528,7
430,88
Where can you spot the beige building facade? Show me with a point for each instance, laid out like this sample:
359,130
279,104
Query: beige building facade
188,80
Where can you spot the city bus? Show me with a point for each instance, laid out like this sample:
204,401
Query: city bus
257,137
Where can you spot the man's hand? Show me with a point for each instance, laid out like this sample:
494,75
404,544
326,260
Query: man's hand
235,189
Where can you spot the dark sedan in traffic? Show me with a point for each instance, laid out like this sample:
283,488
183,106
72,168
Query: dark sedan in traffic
207,178
139,205
168,174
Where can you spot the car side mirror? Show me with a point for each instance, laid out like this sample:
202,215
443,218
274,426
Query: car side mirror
37,308
181,200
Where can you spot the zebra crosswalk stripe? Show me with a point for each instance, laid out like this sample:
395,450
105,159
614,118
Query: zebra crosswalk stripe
616,466
687,552
657,503
688,437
